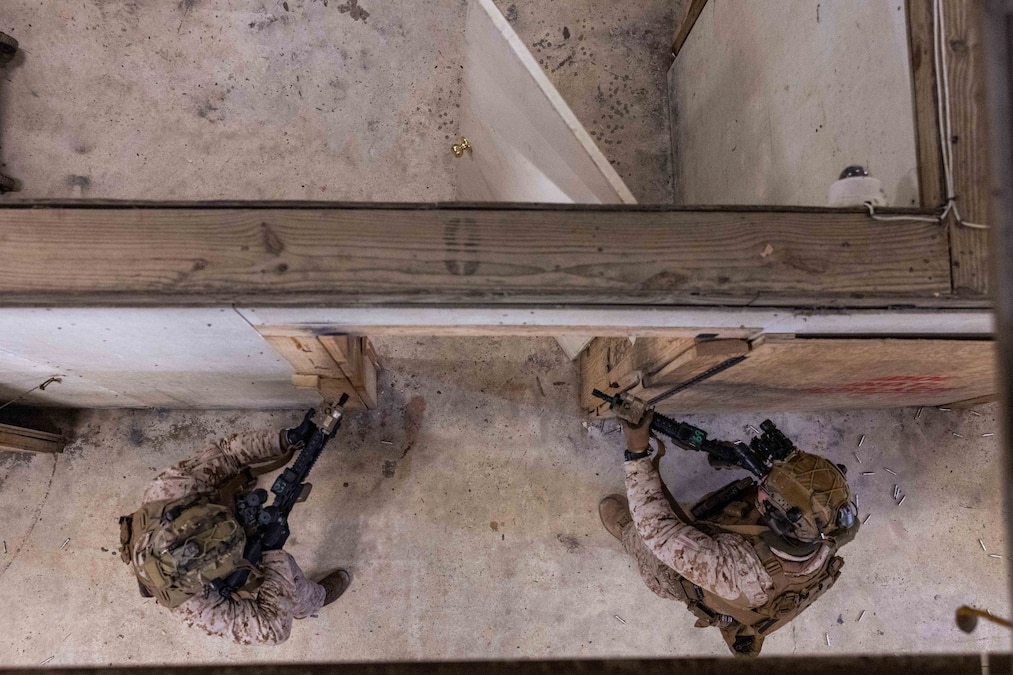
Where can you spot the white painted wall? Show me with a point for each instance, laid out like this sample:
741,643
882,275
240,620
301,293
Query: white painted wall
136,358
214,358
772,99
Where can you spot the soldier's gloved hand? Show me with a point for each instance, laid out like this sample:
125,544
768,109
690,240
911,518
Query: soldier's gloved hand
638,436
300,434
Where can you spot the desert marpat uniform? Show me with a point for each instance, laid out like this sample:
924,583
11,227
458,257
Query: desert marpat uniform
285,593
731,580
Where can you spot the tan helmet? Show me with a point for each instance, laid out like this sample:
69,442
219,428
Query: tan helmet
180,550
806,499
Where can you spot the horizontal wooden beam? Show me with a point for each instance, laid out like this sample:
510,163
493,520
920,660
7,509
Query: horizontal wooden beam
447,256
20,439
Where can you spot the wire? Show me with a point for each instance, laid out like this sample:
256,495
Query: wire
921,219
945,115
41,387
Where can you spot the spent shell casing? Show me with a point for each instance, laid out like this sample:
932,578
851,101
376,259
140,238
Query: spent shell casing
861,440
956,434
987,435
5,548
943,409
620,619
868,473
65,544
982,545
994,555
866,519
828,639
858,458
860,616
901,500
919,413
975,413
890,471
47,660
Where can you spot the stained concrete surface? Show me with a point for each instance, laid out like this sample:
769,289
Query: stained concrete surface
465,506
609,62
302,99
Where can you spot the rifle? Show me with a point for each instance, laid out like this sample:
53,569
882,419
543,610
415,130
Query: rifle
756,458
267,526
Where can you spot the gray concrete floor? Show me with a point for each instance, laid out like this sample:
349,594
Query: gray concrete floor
474,534
303,99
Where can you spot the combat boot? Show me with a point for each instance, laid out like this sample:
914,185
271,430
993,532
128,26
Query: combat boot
614,511
335,584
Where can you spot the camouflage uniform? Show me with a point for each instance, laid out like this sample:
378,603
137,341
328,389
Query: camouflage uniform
284,595
719,573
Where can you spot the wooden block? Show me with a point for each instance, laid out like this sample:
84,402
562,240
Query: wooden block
306,354
593,373
19,439
696,360
332,388
573,345
367,391
652,354
357,363
306,381
337,346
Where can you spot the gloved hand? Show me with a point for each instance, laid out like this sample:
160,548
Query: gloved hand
300,434
638,436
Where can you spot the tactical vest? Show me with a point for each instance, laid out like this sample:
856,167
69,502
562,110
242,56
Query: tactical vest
789,596
174,558
170,578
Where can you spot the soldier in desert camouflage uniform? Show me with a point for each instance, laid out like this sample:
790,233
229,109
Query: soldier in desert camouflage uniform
757,561
184,537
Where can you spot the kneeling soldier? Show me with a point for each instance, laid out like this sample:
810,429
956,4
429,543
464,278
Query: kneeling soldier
754,555
185,540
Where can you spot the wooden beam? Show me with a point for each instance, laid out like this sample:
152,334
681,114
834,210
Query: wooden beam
693,10
19,439
926,99
968,142
969,248
151,257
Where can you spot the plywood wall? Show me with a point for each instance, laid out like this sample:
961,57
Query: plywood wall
771,100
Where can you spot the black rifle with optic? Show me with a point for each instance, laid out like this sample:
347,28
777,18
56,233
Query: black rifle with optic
269,524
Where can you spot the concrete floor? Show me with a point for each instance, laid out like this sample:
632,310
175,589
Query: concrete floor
304,99
474,534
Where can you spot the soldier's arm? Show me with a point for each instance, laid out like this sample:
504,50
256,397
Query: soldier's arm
726,564
264,620
215,466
